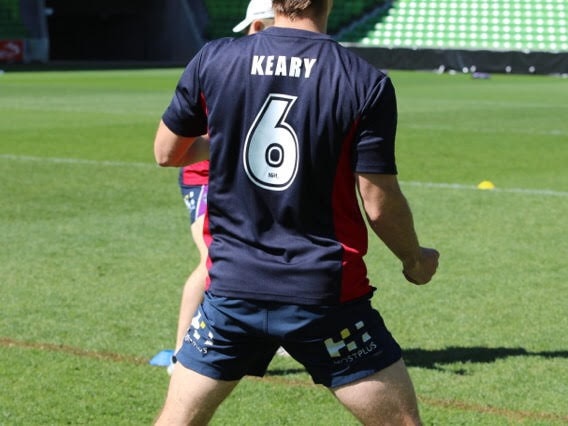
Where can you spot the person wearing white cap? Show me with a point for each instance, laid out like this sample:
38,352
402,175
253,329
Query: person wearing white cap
193,185
259,16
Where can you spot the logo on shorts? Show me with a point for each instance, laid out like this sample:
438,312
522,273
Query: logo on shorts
198,335
190,201
353,343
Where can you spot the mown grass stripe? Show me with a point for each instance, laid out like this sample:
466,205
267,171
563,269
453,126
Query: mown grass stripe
79,161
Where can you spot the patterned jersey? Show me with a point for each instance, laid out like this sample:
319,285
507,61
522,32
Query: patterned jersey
291,116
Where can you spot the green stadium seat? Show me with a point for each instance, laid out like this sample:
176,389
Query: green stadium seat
463,24
468,24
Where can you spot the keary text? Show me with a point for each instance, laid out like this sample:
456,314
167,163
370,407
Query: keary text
283,66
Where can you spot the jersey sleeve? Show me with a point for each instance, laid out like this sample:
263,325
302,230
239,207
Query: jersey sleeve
186,114
374,150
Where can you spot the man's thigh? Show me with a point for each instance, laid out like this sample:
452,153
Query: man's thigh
192,397
386,397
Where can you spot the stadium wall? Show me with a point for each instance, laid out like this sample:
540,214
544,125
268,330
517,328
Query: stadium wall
34,18
465,60
125,30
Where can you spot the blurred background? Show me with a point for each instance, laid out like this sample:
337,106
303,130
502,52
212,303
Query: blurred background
508,36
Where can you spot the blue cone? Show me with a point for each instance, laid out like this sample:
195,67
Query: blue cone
162,358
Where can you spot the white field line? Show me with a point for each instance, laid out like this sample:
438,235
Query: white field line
77,161
550,132
458,186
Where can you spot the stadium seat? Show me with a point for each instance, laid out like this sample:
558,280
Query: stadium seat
537,25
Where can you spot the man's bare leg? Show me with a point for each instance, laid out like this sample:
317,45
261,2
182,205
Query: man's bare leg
192,398
384,398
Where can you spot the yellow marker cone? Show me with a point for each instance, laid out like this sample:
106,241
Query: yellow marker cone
486,184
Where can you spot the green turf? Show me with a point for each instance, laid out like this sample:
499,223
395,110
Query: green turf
95,248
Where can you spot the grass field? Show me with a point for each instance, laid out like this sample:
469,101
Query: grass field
95,248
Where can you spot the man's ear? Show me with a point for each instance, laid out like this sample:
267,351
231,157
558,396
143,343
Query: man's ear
257,26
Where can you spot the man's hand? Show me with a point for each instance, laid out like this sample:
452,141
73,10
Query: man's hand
420,271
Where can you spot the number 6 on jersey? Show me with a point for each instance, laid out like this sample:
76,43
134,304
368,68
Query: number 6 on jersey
271,147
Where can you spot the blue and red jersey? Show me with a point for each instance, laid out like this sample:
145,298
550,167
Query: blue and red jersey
292,116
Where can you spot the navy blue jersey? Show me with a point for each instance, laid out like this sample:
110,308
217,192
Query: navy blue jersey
291,115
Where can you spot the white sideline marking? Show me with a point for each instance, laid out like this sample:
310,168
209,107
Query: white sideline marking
475,188
551,132
547,192
74,161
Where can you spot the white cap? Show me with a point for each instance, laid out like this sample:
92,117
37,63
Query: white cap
257,9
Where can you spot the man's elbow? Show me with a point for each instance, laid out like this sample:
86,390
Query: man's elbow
165,159
168,148
163,163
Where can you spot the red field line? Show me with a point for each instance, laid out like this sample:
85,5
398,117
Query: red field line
513,415
52,347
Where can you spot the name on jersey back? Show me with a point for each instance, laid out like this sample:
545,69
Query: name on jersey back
283,66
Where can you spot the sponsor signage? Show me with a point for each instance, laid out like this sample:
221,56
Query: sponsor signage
11,50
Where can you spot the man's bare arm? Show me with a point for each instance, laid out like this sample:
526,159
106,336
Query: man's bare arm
391,219
171,150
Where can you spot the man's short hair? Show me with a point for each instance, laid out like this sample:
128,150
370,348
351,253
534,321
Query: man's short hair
295,8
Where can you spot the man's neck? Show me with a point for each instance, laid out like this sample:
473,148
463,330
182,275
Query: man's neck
307,24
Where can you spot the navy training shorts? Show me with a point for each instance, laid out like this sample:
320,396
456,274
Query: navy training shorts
195,199
230,338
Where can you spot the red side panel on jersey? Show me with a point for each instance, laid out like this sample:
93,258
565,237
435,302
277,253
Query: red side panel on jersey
197,173
207,238
350,228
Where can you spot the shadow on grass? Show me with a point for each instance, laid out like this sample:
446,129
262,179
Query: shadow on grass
285,371
442,359
437,359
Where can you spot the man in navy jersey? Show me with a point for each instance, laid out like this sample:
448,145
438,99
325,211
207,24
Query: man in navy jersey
297,125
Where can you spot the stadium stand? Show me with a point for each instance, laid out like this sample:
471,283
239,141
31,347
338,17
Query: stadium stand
11,25
346,12
533,25
526,36
536,25
519,36
224,14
